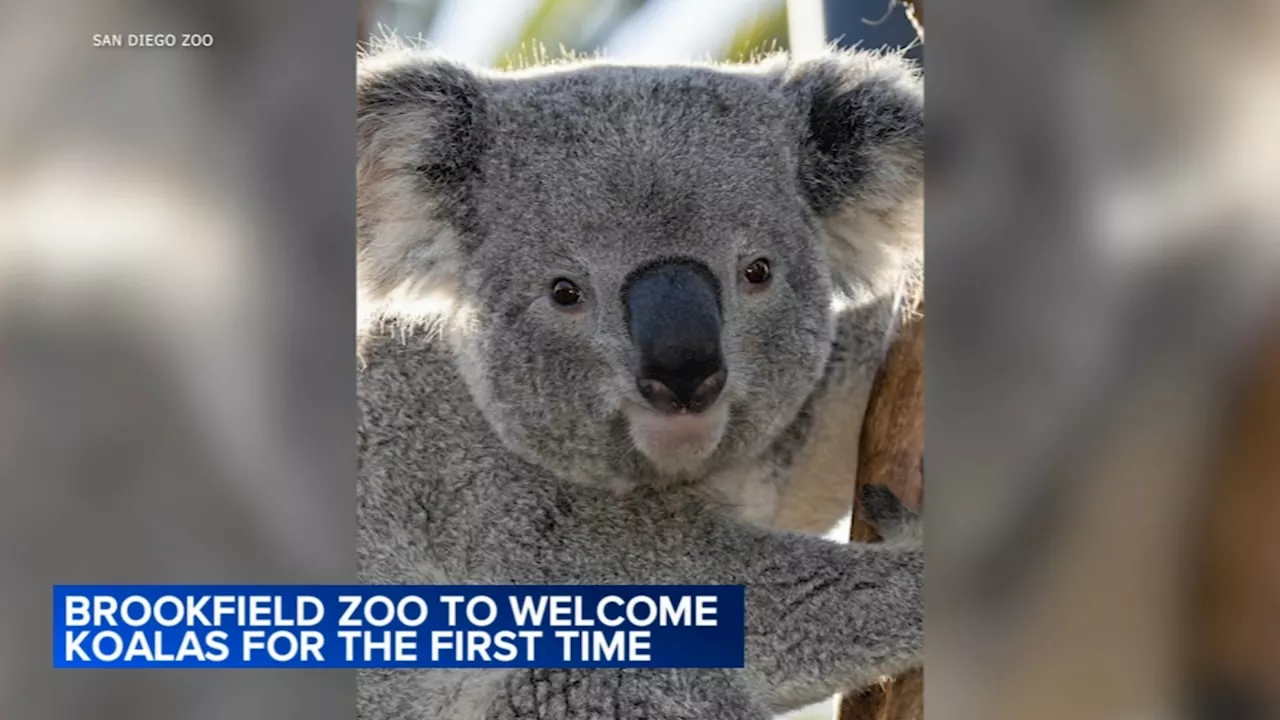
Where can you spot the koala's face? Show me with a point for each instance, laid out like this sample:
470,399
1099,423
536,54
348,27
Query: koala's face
640,255
654,290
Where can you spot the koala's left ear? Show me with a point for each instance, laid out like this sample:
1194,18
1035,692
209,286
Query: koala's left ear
862,160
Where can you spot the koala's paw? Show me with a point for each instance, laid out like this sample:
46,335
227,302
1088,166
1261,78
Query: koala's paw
885,512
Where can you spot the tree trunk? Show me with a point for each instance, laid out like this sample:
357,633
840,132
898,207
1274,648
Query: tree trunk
891,453
1235,655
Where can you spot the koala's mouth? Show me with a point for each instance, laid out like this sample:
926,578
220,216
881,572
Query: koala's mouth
677,443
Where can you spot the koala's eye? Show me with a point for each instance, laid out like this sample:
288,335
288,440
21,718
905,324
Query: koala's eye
758,272
565,293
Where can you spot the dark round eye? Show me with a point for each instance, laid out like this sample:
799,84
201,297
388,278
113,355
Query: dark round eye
565,293
758,272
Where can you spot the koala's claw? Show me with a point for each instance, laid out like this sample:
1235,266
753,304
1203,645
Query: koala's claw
887,514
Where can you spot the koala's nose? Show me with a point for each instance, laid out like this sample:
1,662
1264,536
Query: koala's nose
673,315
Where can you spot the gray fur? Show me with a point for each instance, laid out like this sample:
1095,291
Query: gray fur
891,519
493,445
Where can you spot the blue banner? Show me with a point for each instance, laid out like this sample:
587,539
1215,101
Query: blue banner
398,626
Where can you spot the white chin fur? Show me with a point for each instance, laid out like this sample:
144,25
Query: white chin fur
677,443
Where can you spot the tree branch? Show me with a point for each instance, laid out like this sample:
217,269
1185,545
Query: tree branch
915,13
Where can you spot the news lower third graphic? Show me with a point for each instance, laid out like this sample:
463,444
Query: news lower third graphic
399,626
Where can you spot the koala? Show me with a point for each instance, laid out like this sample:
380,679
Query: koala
616,325
888,516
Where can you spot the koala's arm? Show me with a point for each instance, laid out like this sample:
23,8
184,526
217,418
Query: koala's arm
826,618
821,617
631,694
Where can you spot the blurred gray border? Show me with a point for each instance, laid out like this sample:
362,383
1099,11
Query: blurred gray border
179,390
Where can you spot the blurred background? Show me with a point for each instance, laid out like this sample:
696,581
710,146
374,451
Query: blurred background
177,307
503,33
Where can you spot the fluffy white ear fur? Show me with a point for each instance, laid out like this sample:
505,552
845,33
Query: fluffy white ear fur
863,167
412,108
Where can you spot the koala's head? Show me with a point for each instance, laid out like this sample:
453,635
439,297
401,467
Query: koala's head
638,266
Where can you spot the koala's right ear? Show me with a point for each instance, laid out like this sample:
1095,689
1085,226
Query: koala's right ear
419,139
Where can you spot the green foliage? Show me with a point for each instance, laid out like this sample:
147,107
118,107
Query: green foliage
572,26
766,34
575,27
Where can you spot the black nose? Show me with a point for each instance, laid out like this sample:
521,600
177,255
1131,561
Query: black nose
673,314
